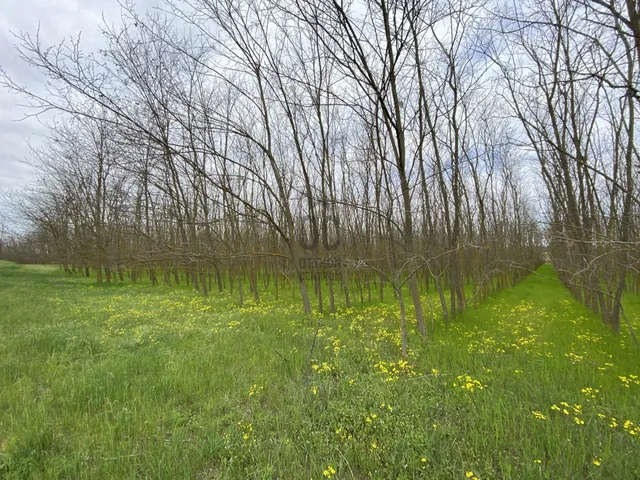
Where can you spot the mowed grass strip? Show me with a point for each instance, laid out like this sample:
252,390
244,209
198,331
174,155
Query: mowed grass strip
134,381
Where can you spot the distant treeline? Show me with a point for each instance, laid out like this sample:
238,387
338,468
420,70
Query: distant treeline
433,144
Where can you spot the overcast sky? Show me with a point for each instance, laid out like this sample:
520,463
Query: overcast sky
58,19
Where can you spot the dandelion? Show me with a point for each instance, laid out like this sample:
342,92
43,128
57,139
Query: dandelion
247,431
468,383
596,461
538,415
423,460
254,389
469,474
329,472
590,392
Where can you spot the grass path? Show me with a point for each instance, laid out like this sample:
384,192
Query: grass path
133,381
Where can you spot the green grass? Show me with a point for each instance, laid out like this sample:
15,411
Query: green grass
134,381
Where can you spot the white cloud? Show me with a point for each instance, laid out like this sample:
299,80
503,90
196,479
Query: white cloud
57,20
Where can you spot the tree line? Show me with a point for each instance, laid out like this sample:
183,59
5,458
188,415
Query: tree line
331,148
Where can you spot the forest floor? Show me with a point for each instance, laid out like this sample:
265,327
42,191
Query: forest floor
133,381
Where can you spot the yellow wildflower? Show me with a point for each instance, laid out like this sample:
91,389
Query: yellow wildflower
329,471
538,415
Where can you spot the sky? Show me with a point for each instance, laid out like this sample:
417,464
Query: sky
57,20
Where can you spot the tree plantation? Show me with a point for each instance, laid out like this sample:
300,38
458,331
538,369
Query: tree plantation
328,239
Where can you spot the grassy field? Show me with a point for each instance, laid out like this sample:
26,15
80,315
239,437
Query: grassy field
134,381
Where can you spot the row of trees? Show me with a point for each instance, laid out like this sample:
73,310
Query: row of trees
302,144
570,76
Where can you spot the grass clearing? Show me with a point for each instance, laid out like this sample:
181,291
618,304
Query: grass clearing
135,381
